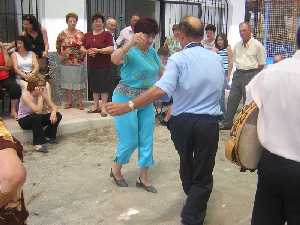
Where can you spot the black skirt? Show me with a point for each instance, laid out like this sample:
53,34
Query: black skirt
100,80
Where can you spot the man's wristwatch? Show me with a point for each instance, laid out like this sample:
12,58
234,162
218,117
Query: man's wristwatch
131,105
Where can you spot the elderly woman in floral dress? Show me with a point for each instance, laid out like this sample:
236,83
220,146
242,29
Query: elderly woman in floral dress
68,46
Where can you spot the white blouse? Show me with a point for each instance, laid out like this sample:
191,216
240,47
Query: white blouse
25,62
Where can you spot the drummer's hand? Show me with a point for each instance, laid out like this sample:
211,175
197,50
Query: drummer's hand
115,109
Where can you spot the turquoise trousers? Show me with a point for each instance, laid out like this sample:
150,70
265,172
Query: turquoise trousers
135,131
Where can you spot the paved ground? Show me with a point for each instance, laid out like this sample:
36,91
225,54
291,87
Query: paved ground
70,186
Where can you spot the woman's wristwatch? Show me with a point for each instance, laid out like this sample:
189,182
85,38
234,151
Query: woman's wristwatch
131,105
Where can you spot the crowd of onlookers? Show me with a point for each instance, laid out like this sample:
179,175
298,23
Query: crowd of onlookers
27,57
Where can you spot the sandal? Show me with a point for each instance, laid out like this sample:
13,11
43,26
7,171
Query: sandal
68,106
119,183
80,106
94,111
103,114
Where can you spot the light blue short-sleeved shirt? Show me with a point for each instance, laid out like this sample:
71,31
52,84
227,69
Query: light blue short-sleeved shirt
194,77
140,69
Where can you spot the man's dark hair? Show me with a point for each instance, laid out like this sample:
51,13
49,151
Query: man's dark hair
298,38
189,30
98,16
210,27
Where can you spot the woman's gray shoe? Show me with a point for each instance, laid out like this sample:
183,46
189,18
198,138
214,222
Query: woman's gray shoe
119,183
150,188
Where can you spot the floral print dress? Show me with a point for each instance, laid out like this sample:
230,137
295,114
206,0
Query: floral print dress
73,74
68,45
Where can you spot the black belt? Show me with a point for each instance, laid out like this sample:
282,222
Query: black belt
247,71
202,116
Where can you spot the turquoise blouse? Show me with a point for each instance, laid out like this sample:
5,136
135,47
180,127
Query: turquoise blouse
140,69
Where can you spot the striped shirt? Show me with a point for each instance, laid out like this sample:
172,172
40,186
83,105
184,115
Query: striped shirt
224,55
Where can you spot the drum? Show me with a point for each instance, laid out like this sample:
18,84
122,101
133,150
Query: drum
243,147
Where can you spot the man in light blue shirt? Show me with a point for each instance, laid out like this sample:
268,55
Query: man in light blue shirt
195,78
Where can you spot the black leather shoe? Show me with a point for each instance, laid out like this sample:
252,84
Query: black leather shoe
150,188
119,183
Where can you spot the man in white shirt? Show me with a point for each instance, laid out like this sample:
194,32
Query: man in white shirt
111,25
277,94
127,33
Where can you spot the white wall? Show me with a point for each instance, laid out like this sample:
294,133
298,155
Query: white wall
54,17
236,16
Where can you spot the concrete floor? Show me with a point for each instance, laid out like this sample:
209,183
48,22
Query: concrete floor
71,185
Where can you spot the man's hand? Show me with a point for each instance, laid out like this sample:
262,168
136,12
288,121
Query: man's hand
115,109
53,118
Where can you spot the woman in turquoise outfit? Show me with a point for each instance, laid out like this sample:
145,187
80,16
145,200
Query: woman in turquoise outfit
140,66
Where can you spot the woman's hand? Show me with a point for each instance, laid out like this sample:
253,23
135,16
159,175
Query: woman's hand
45,54
91,52
138,39
53,118
26,76
115,109
39,91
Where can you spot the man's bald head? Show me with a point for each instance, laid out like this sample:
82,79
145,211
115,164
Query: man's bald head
192,27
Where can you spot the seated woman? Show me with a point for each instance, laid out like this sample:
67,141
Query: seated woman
12,178
8,82
25,63
30,116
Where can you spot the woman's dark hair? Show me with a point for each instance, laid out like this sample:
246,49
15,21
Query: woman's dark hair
71,15
98,16
25,41
223,36
298,38
175,27
35,81
210,27
36,26
146,25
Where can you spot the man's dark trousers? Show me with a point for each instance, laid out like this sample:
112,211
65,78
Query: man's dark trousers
240,80
277,198
196,139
